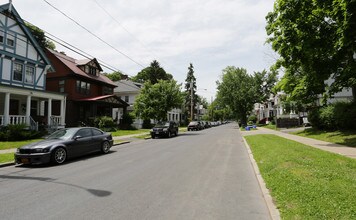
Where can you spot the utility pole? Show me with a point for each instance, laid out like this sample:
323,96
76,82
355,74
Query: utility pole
191,101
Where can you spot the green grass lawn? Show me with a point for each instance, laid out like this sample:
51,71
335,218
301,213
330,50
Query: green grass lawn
347,138
15,144
305,182
129,132
8,157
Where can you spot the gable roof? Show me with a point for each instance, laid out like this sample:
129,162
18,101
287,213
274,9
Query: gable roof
74,64
128,86
21,23
87,61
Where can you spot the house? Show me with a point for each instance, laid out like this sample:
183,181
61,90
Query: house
89,93
128,91
23,69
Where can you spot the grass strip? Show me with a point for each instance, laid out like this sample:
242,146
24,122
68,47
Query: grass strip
305,182
347,138
129,132
8,157
15,144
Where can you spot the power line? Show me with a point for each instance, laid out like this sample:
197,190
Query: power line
122,53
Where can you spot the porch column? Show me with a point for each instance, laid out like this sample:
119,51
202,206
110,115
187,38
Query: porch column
7,108
49,113
28,110
63,111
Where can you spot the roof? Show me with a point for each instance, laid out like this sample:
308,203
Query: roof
127,86
106,98
74,64
28,33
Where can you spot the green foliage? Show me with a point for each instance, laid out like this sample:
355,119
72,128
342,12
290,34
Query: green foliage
105,123
6,158
316,40
114,76
190,80
240,91
339,115
40,37
147,124
152,74
305,183
154,101
18,132
252,119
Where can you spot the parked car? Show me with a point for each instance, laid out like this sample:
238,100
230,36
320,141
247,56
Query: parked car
194,126
63,144
164,129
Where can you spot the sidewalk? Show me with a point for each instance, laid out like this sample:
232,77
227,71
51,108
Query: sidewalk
334,148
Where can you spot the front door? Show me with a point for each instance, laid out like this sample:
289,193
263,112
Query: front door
14,107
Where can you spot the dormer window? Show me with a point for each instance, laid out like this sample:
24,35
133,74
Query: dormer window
91,70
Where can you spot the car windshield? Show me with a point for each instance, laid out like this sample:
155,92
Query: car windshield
162,123
63,134
193,123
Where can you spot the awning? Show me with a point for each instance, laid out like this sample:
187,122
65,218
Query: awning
108,99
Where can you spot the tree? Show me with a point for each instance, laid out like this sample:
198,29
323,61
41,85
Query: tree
316,40
115,76
40,37
155,100
190,81
240,91
152,74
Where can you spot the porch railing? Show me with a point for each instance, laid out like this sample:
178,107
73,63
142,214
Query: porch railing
55,122
17,119
33,124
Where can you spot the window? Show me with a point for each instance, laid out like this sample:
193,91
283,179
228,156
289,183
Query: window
18,68
82,87
10,42
30,73
127,99
1,36
96,132
85,132
61,84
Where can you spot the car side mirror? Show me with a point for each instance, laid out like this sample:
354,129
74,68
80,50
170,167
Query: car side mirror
77,137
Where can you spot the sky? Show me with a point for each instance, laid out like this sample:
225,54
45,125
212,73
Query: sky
210,34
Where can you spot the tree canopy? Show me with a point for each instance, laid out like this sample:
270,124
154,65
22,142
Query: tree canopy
155,100
240,91
40,37
152,74
190,80
316,41
114,76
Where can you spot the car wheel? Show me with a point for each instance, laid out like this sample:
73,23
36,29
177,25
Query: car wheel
152,136
176,134
59,155
169,134
105,147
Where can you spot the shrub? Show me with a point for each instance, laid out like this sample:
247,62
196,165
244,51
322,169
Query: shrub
339,115
105,123
18,132
252,119
147,124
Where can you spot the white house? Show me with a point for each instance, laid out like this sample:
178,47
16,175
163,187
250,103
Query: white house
128,90
23,68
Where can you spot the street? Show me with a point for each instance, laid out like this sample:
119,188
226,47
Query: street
198,175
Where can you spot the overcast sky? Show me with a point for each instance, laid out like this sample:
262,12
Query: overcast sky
211,34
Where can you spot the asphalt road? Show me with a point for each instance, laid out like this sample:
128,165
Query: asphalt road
197,175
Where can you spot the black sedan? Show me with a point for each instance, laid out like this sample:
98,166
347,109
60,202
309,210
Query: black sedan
63,144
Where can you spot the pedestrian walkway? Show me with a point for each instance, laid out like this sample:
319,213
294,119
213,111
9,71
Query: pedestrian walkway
323,145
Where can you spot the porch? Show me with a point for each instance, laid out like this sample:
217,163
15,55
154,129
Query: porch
31,107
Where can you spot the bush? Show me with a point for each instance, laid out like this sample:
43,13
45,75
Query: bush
252,119
105,123
339,115
147,124
18,132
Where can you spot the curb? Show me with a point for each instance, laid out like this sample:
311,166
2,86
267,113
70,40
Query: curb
273,211
7,164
